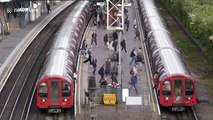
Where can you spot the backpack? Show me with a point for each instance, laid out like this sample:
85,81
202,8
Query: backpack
101,71
131,72
132,54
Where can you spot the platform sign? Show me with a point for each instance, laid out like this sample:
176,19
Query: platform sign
125,93
134,100
115,14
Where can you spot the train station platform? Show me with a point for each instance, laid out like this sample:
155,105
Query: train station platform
121,110
9,42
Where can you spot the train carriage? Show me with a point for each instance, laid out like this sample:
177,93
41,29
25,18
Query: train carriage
176,88
55,87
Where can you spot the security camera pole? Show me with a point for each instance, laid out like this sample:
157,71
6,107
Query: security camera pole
115,21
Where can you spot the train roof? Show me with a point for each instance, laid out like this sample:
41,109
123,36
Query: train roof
61,56
161,42
60,64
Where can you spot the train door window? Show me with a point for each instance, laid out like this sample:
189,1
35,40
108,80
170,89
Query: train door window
189,87
65,89
54,91
166,87
43,89
178,89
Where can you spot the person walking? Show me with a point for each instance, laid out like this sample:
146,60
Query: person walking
115,35
123,45
107,66
126,11
95,22
134,23
137,33
83,47
133,70
114,80
48,6
98,20
105,40
127,23
89,58
101,72
104,83
140,58
133,55
94,64
114,45
133,83
94,39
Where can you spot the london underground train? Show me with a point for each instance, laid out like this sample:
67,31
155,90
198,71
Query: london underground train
175,87
55,87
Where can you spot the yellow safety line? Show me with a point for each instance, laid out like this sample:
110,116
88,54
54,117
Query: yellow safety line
14,60
80,69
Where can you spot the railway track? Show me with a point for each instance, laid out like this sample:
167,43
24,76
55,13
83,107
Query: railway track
65,115
189,114
17,94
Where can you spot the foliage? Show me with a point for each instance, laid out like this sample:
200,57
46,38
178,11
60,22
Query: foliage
197,16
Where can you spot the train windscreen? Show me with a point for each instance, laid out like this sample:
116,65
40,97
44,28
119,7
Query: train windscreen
43,89
54,91
178,89
189,87
167,88
65,89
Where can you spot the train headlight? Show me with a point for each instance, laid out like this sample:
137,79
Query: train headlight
189,98
43,100
166,98
66,99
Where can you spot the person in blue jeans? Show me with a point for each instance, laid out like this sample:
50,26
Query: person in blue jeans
133,83
133,55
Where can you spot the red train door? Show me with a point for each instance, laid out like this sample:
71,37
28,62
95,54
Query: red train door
178,91
54,91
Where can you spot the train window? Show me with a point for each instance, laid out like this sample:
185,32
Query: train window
166,87
43,89
152,40
178,89
156,56
160,68
153,47
65,89
54,91
189,87
158,62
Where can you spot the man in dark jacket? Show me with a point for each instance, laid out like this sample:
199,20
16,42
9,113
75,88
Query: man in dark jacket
114,45
94,64
123,45
101,72
94,38
89,57
105,40
115,35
